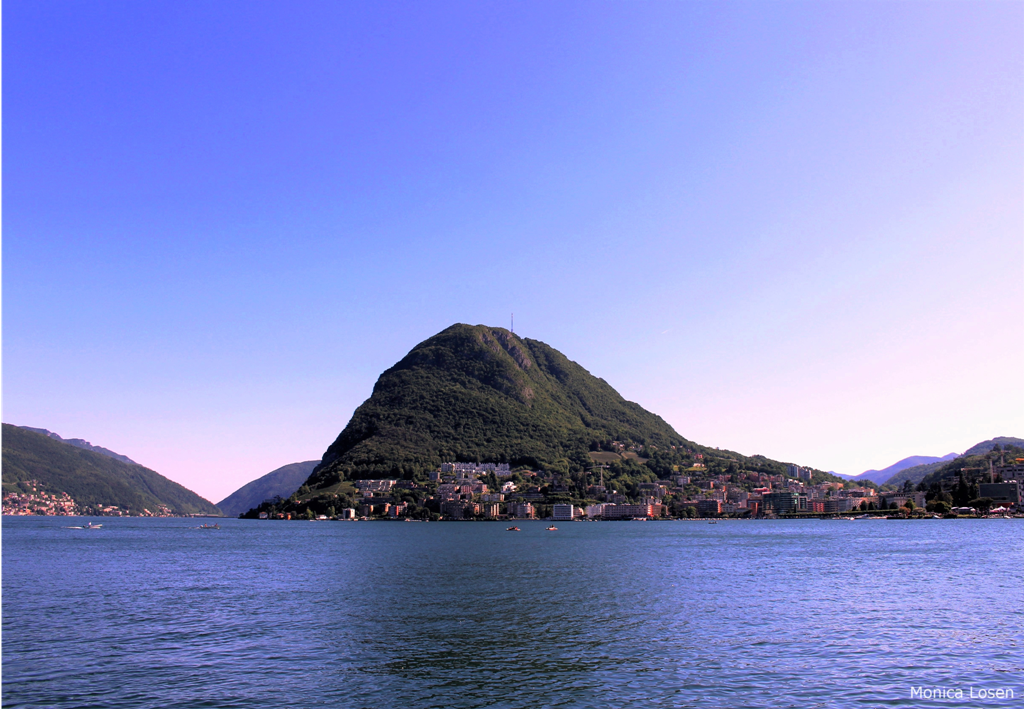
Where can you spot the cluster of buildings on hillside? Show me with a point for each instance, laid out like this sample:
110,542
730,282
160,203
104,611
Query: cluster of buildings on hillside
37,501
457,492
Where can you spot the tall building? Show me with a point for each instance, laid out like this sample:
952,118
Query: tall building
780,501
709,508
562,513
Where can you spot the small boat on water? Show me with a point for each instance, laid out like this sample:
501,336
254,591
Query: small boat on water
512,529
208,526
87,525
552,528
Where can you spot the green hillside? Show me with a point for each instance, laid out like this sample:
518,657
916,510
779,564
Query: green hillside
974,467
92,479
475,393
278,483
986,446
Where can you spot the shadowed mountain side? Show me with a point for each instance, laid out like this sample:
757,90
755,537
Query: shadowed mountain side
92,479
278,483
915,474
476,393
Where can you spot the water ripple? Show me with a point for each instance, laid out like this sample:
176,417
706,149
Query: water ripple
151,613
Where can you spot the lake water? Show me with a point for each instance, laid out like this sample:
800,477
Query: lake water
156,613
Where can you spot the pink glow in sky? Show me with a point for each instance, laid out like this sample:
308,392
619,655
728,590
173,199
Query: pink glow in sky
794,229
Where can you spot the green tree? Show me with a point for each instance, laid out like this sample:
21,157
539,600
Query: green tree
962,492
982,504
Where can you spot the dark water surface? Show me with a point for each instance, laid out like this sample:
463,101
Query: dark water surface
156,613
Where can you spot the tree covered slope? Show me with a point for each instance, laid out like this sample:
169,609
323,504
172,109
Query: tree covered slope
91,478
477,393
277,483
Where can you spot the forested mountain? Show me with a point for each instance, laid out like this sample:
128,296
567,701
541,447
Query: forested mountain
278,483
1001,441
976,466
477,393
92,479
82,443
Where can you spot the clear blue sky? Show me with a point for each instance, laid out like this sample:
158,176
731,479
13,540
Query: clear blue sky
789,228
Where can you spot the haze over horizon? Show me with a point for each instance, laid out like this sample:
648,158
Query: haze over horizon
793,229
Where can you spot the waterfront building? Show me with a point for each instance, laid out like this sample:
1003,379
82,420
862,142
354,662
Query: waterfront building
522,510
709,508
918,498
1004,493
780,501
455,509
562,513
838,504
627,511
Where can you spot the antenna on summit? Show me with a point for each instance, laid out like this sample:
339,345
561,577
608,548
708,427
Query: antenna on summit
513,329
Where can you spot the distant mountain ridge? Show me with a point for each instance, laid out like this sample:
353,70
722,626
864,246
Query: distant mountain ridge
916,468
94,480
82,443
277,483
880,477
